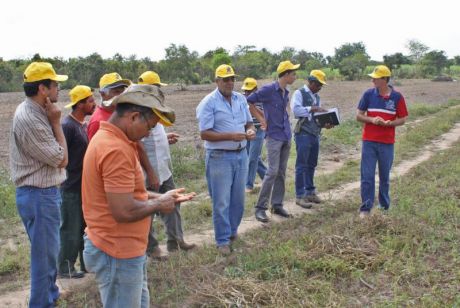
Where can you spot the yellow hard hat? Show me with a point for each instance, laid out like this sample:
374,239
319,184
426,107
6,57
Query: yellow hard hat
78,93
224,71
150,77
380,71
286,66
113,80
318,75
249,84
40,71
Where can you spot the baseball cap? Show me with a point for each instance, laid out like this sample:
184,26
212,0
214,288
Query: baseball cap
113,80
150,77
224,71
286,66
78,93
147,96
318,75
249,84
380,71
40,71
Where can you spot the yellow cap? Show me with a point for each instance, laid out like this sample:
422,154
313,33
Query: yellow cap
113,80
286,66
380,71
78,93
249,84
224,71
40,71
318,75
150,77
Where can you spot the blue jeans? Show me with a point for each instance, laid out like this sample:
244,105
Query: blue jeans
307,147
40,214
255,161
122,282
226,174
374,153
273,186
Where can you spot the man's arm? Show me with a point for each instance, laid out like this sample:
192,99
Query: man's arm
125,208
211,135
258,114
361,116
152,179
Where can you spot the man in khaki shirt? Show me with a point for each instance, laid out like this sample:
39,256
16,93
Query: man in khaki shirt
38,156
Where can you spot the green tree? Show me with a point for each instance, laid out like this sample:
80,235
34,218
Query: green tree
352,67
416,50
220,58
433,63
395,60
178,65
347,50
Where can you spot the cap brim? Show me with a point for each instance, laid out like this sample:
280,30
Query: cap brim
60,78
247,89
164,120
163,84
119,83
295,66
69,105
228,75
373,76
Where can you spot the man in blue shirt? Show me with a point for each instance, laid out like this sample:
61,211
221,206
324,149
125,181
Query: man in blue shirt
275,98
225,124
304,103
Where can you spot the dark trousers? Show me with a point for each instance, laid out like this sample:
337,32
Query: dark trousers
71,232
172,221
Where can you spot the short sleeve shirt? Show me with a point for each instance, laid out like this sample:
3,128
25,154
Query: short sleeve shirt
388,108
111,165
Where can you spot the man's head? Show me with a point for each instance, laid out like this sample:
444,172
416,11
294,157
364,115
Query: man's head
152,78
316,80
139,109
287,71
249,86
225,79
41,81
81,98
112,85
380,76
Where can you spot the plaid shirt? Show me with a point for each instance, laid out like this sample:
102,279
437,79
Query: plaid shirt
34,151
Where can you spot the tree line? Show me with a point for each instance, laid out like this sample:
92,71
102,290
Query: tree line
180,65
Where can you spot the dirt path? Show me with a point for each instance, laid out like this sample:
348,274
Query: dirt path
445,141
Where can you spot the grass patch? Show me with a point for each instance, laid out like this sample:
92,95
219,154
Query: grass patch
7,197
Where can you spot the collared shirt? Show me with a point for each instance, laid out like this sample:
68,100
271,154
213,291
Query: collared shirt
100,114
216,113
157,148
276,116
297,107
77,142
388,108
111,166
35,153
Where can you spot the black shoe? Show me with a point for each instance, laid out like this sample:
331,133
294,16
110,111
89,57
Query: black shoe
72,275
281,212
261,216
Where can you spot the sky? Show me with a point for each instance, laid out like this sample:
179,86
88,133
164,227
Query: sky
145,28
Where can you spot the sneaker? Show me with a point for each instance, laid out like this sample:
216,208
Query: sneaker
303,203
364,214
224,250
313,198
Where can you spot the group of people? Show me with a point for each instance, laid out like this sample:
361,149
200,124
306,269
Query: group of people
90,190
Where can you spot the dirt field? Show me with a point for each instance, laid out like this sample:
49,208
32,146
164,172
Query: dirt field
341,94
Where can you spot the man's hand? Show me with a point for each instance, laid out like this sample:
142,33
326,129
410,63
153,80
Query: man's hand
179,196
250,134
263,125
52,112
238,136
173,138
317,109
378,121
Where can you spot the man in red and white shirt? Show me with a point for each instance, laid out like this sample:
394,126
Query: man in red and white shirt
381,109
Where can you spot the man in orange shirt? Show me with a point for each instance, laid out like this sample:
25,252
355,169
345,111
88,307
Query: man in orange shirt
116,204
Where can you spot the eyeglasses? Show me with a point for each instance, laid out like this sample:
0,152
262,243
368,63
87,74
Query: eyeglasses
146,120
227,79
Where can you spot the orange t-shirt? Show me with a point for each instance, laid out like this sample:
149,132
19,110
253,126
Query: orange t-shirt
111,165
